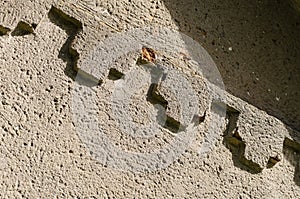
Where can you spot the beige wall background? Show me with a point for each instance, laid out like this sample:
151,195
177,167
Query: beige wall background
43,45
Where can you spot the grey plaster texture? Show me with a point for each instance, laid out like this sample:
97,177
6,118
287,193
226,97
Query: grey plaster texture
49,147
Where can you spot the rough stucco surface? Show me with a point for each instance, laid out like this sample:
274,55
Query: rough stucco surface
42,154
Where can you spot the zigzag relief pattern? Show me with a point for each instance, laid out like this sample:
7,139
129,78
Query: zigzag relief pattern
21,29
233,138
237,146
291,151
22,16
235,143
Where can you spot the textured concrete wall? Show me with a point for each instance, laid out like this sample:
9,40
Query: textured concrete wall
84,114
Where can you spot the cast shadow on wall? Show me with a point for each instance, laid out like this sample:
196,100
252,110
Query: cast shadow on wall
255,46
